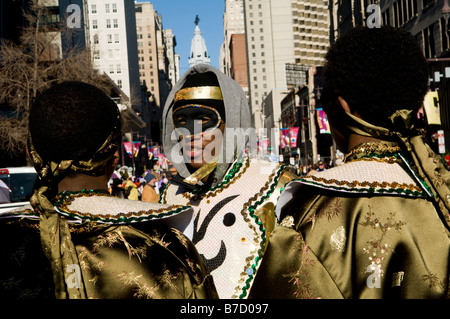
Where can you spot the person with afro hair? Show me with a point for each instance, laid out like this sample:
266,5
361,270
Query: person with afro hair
77,241
376,226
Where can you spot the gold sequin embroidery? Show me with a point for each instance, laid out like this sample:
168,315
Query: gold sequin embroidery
338,239
397,278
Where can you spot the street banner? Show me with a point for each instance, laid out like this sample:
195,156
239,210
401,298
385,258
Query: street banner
150,153
136,146
432,108
284,137
293,132
128,148
322,121
132,148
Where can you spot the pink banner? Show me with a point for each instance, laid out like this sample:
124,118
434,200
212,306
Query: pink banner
132,148
293,132
128,148
322,121
284,136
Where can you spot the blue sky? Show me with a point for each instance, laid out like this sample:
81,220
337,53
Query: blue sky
179,15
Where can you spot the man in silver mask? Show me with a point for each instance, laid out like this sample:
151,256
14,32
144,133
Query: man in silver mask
207,136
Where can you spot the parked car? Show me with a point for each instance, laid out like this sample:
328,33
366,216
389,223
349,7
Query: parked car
17,186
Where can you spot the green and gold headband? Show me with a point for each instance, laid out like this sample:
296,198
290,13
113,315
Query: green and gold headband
199,93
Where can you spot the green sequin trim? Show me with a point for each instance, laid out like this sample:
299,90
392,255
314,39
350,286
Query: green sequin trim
261,227
369,190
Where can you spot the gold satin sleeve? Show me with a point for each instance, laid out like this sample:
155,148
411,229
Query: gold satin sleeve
266,211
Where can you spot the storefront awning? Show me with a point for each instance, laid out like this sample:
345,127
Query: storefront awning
130,120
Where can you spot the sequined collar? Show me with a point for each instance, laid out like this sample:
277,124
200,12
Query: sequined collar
372,168
370,150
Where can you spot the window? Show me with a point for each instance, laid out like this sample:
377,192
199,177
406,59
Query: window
119,83
107,8
116,38
94,24
109,36
430,48
110,54
94,9
117,53
118,69
108,23
444,35
114,7
116,23
111,69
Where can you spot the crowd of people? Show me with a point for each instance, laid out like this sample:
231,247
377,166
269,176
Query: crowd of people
227,225
124,184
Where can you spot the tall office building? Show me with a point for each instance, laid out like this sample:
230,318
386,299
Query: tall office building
311,31
270,45
165,84
171,43
146,25
278,33
233,52
112,26
233,23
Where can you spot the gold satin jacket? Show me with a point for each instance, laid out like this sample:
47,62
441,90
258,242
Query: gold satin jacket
365,229
124,250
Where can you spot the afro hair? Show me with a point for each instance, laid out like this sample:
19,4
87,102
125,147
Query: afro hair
71,121
377,71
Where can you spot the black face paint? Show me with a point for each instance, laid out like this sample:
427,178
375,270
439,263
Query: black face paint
196,119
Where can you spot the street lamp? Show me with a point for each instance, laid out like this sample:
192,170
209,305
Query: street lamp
446,13
446,10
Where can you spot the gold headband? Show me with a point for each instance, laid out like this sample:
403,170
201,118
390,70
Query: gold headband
200,92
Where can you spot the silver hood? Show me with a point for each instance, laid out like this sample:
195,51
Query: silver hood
238,118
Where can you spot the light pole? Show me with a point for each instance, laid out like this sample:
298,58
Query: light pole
305,148
446,13
445,10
